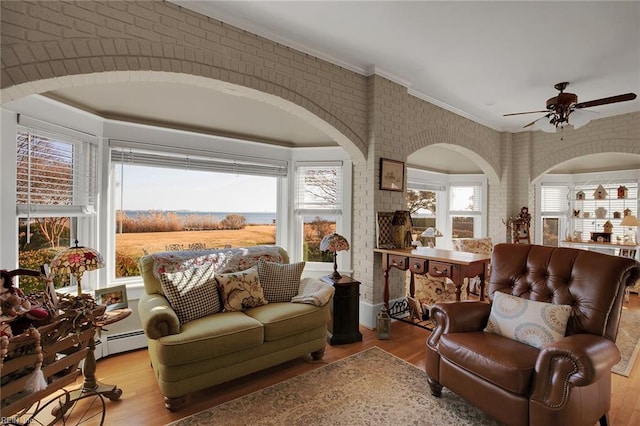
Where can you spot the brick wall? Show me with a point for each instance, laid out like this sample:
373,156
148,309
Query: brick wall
52,44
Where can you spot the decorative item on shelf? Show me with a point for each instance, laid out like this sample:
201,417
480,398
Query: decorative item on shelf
601,237
586,215
576,213
580,195
622,192
334,243
600,193
383,325
75,261
630,222
608,227
626,212
431,234
401,229
601,213
616,215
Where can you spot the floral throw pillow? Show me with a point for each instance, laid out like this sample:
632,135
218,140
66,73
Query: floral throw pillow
280,281
533,323
240,290
192,293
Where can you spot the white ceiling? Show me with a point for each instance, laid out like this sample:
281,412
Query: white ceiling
479,59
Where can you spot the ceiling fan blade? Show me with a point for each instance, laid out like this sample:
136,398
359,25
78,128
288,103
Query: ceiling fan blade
528,112
536,120
609,100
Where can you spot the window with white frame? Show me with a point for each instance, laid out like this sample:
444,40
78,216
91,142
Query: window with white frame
56,185
425,192
553,212
165,200
318,206
466,207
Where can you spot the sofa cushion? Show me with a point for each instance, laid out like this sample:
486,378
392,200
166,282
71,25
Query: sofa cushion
286,319
240,290
210,337
192,292
492,357
279,281
533,323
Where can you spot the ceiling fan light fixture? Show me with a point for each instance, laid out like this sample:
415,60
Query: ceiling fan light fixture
545,124
579,118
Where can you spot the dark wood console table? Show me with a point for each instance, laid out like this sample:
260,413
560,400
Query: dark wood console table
455,265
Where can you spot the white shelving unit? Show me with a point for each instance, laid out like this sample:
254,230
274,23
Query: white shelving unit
599,211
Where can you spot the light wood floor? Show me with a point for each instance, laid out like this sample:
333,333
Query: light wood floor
142,403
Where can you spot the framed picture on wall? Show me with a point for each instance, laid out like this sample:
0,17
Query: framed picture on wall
112,297
391,175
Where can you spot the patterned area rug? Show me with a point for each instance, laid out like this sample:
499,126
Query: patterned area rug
628,341
371,387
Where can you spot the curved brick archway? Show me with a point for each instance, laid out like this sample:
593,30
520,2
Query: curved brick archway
52,45
559,156
177,78
458,142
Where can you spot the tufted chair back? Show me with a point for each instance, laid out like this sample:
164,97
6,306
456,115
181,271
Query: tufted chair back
582,279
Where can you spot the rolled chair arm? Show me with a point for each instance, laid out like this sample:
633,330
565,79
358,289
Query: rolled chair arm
458,317
577,360
157,317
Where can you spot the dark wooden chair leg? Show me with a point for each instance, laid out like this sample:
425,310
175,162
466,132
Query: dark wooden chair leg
436,387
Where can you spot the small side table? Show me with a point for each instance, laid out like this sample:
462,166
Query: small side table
345,319
91,385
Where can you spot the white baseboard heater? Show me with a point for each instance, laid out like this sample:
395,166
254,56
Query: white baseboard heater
122,342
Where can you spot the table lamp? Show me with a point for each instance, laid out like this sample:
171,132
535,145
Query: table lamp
334,243
630,221
75,261
431,234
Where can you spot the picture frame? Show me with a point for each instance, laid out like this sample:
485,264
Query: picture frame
113,297
391,175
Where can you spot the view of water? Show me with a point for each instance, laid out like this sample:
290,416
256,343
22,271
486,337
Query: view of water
253,218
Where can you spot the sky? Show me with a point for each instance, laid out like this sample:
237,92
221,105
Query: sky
151,188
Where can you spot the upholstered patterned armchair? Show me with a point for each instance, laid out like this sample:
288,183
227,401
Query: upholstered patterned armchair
479,246
430,290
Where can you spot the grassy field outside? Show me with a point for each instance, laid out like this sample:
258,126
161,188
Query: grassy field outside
133,244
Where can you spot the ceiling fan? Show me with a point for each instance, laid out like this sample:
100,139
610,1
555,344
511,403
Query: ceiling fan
560,107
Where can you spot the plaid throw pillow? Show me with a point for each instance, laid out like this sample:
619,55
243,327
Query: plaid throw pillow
280,281
192,293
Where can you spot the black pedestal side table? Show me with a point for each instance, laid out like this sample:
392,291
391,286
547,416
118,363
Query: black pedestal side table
345,319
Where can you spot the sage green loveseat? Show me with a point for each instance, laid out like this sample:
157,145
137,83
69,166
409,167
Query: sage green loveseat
216,348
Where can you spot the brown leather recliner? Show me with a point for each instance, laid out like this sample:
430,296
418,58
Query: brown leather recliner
564,383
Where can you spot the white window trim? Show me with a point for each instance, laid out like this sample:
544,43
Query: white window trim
441,184
343,222
571,181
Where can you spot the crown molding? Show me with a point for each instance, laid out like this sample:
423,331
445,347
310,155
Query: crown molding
252,27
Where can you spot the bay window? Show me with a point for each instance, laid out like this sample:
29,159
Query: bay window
56,185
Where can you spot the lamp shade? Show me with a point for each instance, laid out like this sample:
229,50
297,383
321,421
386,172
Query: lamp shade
579,117
630,220
75,261
431,233
334,243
